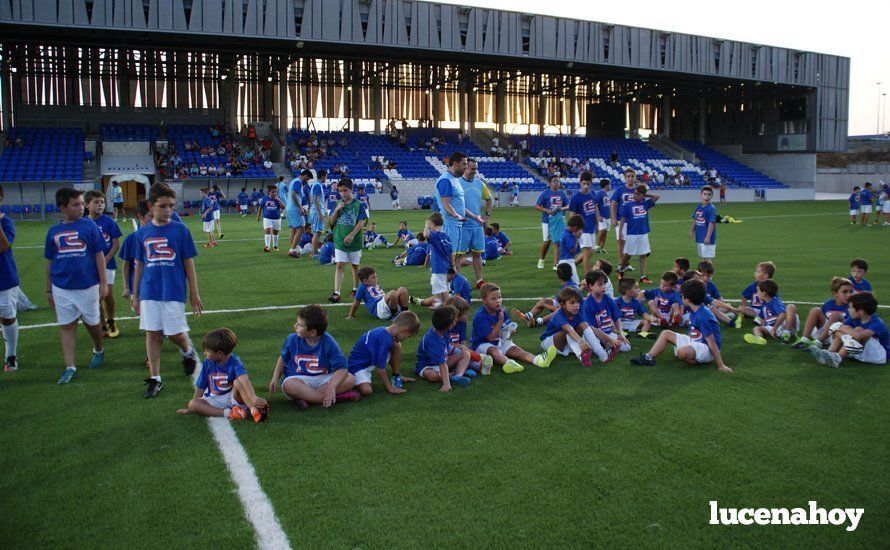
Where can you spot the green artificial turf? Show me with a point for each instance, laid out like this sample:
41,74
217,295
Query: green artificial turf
612,456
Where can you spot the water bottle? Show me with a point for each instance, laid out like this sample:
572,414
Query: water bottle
397,381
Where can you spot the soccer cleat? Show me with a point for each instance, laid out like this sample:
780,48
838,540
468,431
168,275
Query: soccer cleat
388,245
259,414
487,363
786,338
645,280
113,331
738,321
154,388
554,267
601,251
413,300
11,364
471,373
67,375
334,298
275,249
350,396
802,343
754,339
540,264
833,359
221,235
585,357
98,359
265,249
512,366
462,381
545,359
613,351
518,314
629,268
293,254
208,245
819,355
643,361
238,412
190,362
479,283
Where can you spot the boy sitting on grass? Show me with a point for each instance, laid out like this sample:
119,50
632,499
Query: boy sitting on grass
863,336
381,305
434,363
567,330
379,346
222,387
702,344
457,337
776,320
550,305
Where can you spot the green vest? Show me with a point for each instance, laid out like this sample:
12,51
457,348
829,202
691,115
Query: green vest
346,222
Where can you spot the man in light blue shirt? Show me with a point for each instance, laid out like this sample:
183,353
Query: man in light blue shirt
318,208
294,211
450,198
478,203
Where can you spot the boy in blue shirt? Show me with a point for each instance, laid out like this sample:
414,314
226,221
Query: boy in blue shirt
164,266
207,209
832,311
326,252
9,289
569,244
604,214
551,305
405,235
865,201
503,240
379,346
111,234
256,197
584,204
243,201
567,330
763,271
664,302
381,305
633,223
270,210
724,312
855,201
414,255
457,338
704,225
552,203
222,387
858,270
459,286
394,195
129,248
602,314
75,278
374,239
863,335
314,369
702,344
620,197
492,246
776,319
635,318
218,197
439,257
434,363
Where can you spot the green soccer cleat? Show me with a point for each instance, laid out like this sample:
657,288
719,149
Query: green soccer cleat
543,360
738,321
512,366
754,339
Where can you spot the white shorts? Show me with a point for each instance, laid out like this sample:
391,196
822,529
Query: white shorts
779,331
702,351
223,401
411,242
631,325
865,209
216,214
547,342
872,352
242,207
637,245
574,270
167,317
605,225
439,282
363,376
383,311
343,257
623,235
502,344
421,373
267,224
9,303
854,212
545,231
588,240
313,382
707,251
110,276
207,226
73,304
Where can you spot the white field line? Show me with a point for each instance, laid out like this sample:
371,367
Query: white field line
295,306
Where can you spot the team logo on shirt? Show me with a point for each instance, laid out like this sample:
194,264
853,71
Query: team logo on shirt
663,304
68,242
454,338
105,236
627,312
157,249
219,383
638,210
555,201
309,365
769,319
375,291
695,334
589,207
699,217
604,321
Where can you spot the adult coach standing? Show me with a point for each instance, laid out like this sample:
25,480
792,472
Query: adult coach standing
620,197
295,212
117,200
472,236
450,196
317,209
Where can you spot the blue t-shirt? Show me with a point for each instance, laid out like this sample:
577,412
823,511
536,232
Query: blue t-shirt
855,201
416,255
405,235
431,350
370,295
491,249
9,274
271,208
370,236
770,311
175,217
449,186
295,187
394,194
663,301
305,238
568,246
370,350
128,254
283,188
865,197
602,314
216,379
440,252
584,204
636,216
217,197
326,253
750,293
502,238
257,196
622,196
559,319
711,290
72,247
475,193
243,199
876,325
110,231
603,204
830,306
705,216
860,286
162,250
482,323
552,200
461,287
458,333
207,209
702,324
302,359
316,193
630,310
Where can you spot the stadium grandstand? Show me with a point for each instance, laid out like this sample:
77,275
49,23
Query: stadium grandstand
241,93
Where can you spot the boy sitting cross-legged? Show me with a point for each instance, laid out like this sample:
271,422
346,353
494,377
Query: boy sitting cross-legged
821,318
379,346
604,317
863,336
457,338
776,319
492,330
434,362
315,370
568,331
702,345
635,318
382,305
222,387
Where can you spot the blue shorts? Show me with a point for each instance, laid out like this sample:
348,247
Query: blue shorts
472,237
454,231
316,221
295,218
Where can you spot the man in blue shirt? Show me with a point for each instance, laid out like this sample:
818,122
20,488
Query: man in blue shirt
317,211
9,289
450,198
704,225
472,239
551,202
620,197
633,223
75,277
295,212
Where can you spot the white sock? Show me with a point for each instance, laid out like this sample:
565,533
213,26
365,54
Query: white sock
11,333
190,349
158,378
594,344
574,346
268,239
275,241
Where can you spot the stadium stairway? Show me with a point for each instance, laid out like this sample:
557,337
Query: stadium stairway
282,169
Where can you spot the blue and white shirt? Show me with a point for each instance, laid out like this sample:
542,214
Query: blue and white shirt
440,252
302,359
370,295
9,274
636,216
449,186
219,379
704,216
431,351
72,247
110,231
370,350
162,250
584,204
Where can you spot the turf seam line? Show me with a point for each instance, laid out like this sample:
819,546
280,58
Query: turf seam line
347,304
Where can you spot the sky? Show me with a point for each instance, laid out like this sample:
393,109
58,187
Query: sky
856,29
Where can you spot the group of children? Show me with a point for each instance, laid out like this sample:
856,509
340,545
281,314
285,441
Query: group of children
864,200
